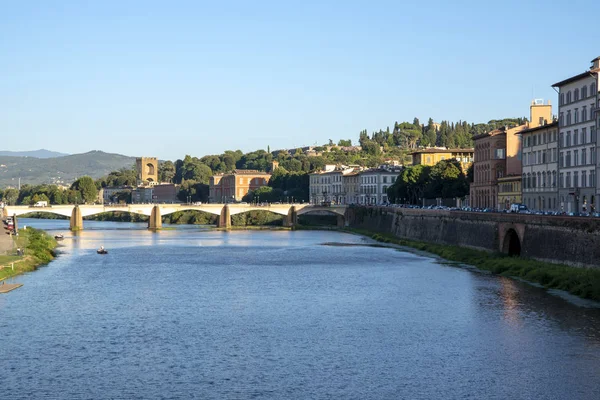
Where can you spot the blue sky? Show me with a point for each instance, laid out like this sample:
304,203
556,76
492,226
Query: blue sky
172,78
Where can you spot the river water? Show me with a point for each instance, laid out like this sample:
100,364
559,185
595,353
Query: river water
187,313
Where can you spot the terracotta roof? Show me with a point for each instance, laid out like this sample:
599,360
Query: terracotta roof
249,172
538,128
425,151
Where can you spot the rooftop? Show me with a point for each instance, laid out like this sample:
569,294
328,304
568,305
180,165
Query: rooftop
539,128
573,79
438,150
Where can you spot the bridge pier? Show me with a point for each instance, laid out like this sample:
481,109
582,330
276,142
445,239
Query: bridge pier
291,220
155,221
225,218
76,222
15,224
341,221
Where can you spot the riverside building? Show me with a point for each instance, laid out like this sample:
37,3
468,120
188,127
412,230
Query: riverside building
229,188
539,181
577,143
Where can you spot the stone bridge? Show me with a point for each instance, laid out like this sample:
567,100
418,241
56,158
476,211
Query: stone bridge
156,211
568,240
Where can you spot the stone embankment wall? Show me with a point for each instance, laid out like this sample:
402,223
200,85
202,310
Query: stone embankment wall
568,240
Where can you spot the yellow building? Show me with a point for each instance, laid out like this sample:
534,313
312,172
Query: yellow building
435,155
509,191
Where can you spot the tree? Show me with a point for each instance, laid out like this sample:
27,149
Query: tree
86,188
10,196
345,142
166,171
191,168
417,123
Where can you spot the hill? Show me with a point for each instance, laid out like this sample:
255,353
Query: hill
42,153
60,170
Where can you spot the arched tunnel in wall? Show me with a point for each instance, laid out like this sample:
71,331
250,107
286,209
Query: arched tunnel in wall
512,243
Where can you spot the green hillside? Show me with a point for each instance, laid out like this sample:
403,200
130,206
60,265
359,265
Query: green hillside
59,170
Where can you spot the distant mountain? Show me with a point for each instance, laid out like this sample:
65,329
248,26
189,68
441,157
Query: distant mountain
42,153
60,170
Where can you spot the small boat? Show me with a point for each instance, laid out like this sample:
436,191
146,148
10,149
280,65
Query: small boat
59,237
102,251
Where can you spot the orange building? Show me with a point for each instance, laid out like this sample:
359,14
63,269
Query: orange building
227,188
498,155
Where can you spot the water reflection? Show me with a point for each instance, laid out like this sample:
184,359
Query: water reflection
509,294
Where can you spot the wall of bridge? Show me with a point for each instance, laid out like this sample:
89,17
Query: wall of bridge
569,240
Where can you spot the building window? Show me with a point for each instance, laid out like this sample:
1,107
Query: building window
593,89
499,154
562,99
568,183
561,160
584,113
561,180
592,179
583,179
575,158
584,92
569,97
575,179
583,156
576,95
576,116
569,117
568,161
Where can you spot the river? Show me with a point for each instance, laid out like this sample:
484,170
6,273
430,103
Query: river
191,313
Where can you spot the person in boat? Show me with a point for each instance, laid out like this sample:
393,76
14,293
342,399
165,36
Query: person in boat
101,248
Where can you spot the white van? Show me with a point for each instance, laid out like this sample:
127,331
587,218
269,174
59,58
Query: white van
41,204
517,208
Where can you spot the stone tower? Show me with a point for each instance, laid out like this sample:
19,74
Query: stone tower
147,170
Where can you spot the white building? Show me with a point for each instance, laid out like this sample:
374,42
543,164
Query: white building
374,183
328,185
595,69
577,141
107,194
540,167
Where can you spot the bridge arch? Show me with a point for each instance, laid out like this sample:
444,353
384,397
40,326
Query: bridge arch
258,216
511,244
326,211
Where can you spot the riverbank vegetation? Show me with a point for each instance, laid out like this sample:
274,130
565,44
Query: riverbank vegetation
582,282
39,250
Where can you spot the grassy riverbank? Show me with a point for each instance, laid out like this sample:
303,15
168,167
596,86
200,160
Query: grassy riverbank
581,282
39,250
